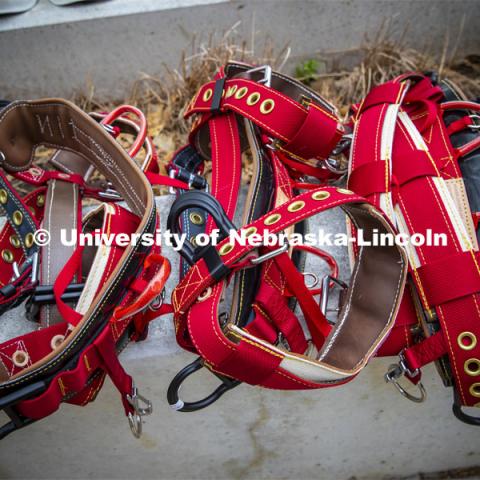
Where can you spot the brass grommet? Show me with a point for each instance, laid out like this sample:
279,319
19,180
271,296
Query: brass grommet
7,256
196,218
296,206
20,358
40,201
32,211
17,217
321,195
29,238
15,241
207,94
472,367
250,231
253,98
467,336
193,241
224,249
56,341
267,106
3,196
270,220
230,91
344,191
241,92
475,390
205,294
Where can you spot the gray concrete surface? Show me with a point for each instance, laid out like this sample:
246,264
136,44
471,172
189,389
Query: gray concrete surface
364,429
50,51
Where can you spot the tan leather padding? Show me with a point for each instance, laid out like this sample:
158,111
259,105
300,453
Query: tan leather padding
372,299
59,124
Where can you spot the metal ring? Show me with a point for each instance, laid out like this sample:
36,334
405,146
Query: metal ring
271,219
469,335
196,218
56,341
475,389
314,277
267,106
205,294
473,372
321,195
296,206
20,358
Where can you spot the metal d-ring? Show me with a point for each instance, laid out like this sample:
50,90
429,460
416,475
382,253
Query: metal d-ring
460,414
398,370
179,405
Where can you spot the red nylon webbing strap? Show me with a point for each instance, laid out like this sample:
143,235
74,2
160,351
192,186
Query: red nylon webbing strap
450,278
100,354
312,130
419,170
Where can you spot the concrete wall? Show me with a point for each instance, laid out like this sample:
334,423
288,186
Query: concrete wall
50,51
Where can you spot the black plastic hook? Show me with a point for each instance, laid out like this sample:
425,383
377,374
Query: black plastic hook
203,201
460,414
173,390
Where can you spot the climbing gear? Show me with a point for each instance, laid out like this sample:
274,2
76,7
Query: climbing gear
414,144
235,305
88,300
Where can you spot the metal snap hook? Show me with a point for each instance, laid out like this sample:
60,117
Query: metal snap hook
396,371
141,407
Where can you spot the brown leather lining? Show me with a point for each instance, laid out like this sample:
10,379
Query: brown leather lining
372,299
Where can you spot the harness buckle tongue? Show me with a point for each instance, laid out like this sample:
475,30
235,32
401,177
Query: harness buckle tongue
327,281
400,369
141,407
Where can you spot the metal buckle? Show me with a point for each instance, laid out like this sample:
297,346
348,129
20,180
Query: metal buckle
157,302
173,172
135,418
398,370
269,255
110,193
475,126
32,261
326,293
332,163
267,76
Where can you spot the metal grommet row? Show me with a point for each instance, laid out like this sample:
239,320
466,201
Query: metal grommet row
20,358
253,99
321,195
271,219
472,367
196,218
40,201
205,294
224,249
17,217
250,231
467,341
230,91
241,92
15,241
3,196
267,106
7,255
56,341
296,206
475,390
207,94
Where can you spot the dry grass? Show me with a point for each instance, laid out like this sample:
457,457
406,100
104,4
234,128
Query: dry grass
164,98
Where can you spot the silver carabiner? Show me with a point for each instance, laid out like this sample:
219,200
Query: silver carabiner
135,417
